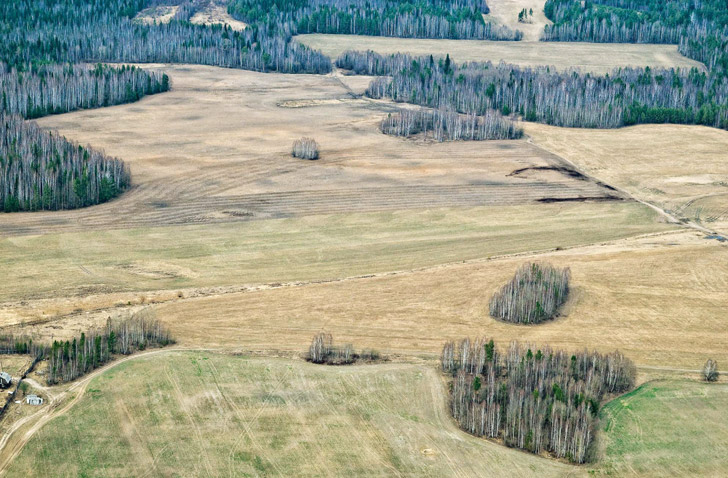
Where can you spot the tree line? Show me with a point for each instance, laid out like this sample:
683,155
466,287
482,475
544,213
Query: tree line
624,97
41,170
539,400
445,125
53,31
70,359
323,351
699,28
42,90
533,295
457,19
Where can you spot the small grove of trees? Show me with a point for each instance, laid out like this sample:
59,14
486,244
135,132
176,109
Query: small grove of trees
533,295
444,125
539,400
68,360
43,170
305,148
525,16
42,90
710,371
323,351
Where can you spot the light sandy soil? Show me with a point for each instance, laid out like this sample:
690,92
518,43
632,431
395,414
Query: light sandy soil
159,14
683,169
214,14
505,12
590,57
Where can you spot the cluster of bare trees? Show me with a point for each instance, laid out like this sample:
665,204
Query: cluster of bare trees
533,295
538,400
710,371
396,18
69,360
323,351
43,170
305,148
50,89
626,96
444,125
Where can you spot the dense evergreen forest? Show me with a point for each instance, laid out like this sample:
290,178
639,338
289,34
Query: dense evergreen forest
42,170
541,400
396,18
627,96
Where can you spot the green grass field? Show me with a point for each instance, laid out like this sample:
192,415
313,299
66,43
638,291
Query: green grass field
667,428
204,414
307,248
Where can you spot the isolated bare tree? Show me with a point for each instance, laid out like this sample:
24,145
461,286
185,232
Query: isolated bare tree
710,371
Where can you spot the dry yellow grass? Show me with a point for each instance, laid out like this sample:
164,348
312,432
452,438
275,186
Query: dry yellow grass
661,300
683,169
505,12
591,57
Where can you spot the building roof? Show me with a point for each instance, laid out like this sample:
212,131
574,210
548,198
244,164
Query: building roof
5,376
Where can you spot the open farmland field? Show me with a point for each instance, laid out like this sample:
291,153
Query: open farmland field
658,299
217,149
682,169
588,57
667,429
206,414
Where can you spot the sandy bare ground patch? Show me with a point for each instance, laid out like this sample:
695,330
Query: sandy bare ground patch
217,149
158,14
505,12
214,14
682,169
590,57
659,299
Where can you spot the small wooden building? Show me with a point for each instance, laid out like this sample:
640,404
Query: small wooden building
33,400
5,380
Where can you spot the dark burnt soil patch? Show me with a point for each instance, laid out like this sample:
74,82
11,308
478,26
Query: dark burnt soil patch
580,199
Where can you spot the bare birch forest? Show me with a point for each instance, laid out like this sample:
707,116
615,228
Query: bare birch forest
41,170
533,295
444,125
539,400
323,351
456,19
624,97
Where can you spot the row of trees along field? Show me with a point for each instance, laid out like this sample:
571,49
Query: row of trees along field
624,97
55,31
42,90
395,18
698,27
323,351
539,400
43,170
69,360
533,295
445,125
